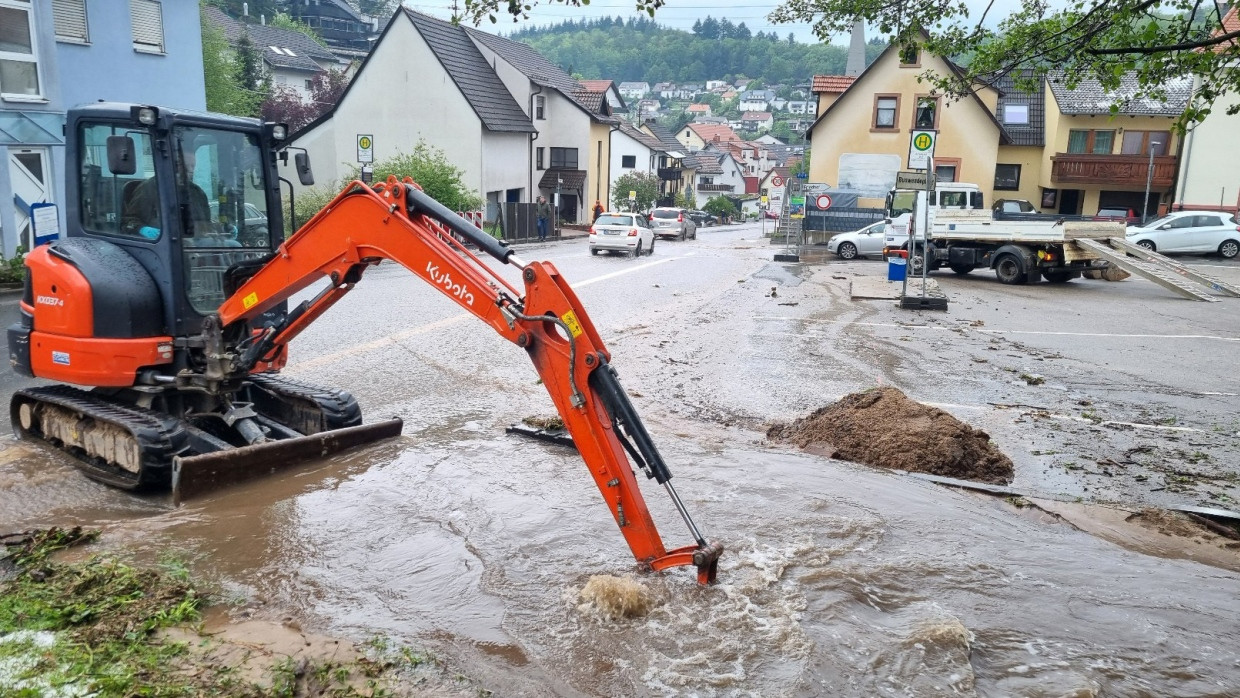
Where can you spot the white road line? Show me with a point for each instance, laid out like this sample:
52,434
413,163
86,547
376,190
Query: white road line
997,331
446,322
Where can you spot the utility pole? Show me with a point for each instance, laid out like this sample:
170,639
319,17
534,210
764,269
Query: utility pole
1149,180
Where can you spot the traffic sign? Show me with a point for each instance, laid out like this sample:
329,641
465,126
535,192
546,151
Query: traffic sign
632,195
365,148
921,149
777,181
765,199
914,180
823,201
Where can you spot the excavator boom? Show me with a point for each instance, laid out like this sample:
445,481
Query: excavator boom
396,221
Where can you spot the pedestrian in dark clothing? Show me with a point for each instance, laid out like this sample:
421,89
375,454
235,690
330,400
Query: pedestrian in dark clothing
598,209
543,212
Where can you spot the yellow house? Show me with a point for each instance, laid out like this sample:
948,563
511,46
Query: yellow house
1059,149
862,134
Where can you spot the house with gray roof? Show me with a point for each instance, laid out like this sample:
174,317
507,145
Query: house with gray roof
513,122
291,58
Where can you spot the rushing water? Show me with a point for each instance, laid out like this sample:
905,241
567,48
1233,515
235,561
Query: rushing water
837,580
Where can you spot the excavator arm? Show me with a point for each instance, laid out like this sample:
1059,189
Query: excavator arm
396,221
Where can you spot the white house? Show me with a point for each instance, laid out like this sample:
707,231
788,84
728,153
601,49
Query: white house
634,91
713,85
632,151
1207,177
718,174
512,122
648,107
755,100
778,103
756,121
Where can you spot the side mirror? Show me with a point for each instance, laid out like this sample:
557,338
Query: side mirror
121,159
301,162
1165,226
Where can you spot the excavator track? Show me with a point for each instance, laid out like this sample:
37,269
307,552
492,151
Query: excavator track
304,407
117,444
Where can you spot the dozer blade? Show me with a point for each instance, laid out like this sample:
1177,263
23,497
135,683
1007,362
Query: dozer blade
196,475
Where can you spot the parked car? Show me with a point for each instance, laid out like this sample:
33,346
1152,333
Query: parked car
1122,215
1190,231
673,223
621,232
1013,206
771,214
867,241
702,218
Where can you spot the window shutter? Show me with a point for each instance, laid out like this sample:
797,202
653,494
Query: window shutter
148,25
70,20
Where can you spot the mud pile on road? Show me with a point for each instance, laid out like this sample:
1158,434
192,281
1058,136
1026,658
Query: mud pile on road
884,428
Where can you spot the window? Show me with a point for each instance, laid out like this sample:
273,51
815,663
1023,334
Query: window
945,172
1206,221
19,67
927,115
148,25
886,111
565,158
309,84
105,196
538,158
1007,177
628,161
910,56
1095,142
540,107
1016,113
707,180
69,17
1140,142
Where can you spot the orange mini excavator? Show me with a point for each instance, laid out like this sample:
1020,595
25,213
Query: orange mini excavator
169,298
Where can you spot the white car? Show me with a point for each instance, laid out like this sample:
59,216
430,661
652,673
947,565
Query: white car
1202,232
621,232
867,241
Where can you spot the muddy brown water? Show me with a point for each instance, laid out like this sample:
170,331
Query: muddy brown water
837,580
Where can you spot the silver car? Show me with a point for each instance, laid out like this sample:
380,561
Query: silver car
675,223
1190,231
867,241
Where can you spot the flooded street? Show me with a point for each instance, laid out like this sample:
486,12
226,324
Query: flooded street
837,579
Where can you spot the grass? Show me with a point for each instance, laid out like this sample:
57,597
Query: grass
1032,380
89,628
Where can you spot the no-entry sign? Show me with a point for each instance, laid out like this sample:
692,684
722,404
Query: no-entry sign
823,201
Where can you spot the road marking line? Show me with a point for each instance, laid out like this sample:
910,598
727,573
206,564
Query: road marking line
996,331
440,324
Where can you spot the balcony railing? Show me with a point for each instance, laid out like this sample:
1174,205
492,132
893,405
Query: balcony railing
717,187
1115,170
670,174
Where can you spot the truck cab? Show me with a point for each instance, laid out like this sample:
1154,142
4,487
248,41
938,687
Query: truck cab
948,201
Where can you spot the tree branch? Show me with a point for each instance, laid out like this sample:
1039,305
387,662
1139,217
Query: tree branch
1146,50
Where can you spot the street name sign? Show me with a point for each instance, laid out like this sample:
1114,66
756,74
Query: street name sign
914,180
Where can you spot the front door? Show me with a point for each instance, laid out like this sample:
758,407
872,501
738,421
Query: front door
32,184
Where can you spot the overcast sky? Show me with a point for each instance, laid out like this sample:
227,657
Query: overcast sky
678,14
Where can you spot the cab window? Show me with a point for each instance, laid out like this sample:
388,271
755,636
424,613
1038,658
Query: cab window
108,202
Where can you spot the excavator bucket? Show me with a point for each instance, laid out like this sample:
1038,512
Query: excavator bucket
193,476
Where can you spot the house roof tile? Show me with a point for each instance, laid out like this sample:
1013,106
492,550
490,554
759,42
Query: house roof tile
572,179
535,66
597,85
1034,132
641,136
1089,97
1229,24
464,63
712,132
832,83
281,48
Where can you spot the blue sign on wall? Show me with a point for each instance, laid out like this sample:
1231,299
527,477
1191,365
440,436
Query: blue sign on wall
45,222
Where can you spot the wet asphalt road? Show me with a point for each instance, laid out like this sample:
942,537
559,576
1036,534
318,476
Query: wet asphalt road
838,580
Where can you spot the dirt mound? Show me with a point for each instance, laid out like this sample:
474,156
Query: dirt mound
884,428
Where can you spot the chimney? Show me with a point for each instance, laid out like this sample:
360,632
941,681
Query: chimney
856,50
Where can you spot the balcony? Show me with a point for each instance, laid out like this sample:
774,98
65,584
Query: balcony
1112,170
729,188
670,174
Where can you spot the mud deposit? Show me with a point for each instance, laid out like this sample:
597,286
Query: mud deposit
884,428
615,597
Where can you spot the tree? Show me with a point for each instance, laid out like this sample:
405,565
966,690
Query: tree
250,71
286,105
221,71
742,32
427,165
646,186
720,206
377,8
1157,42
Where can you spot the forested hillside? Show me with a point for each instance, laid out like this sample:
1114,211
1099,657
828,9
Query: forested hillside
641,49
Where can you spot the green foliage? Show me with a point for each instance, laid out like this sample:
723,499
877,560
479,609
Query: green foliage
682,200
1151,42
646,184
720,206
642,50
222,72
427,165
13,271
